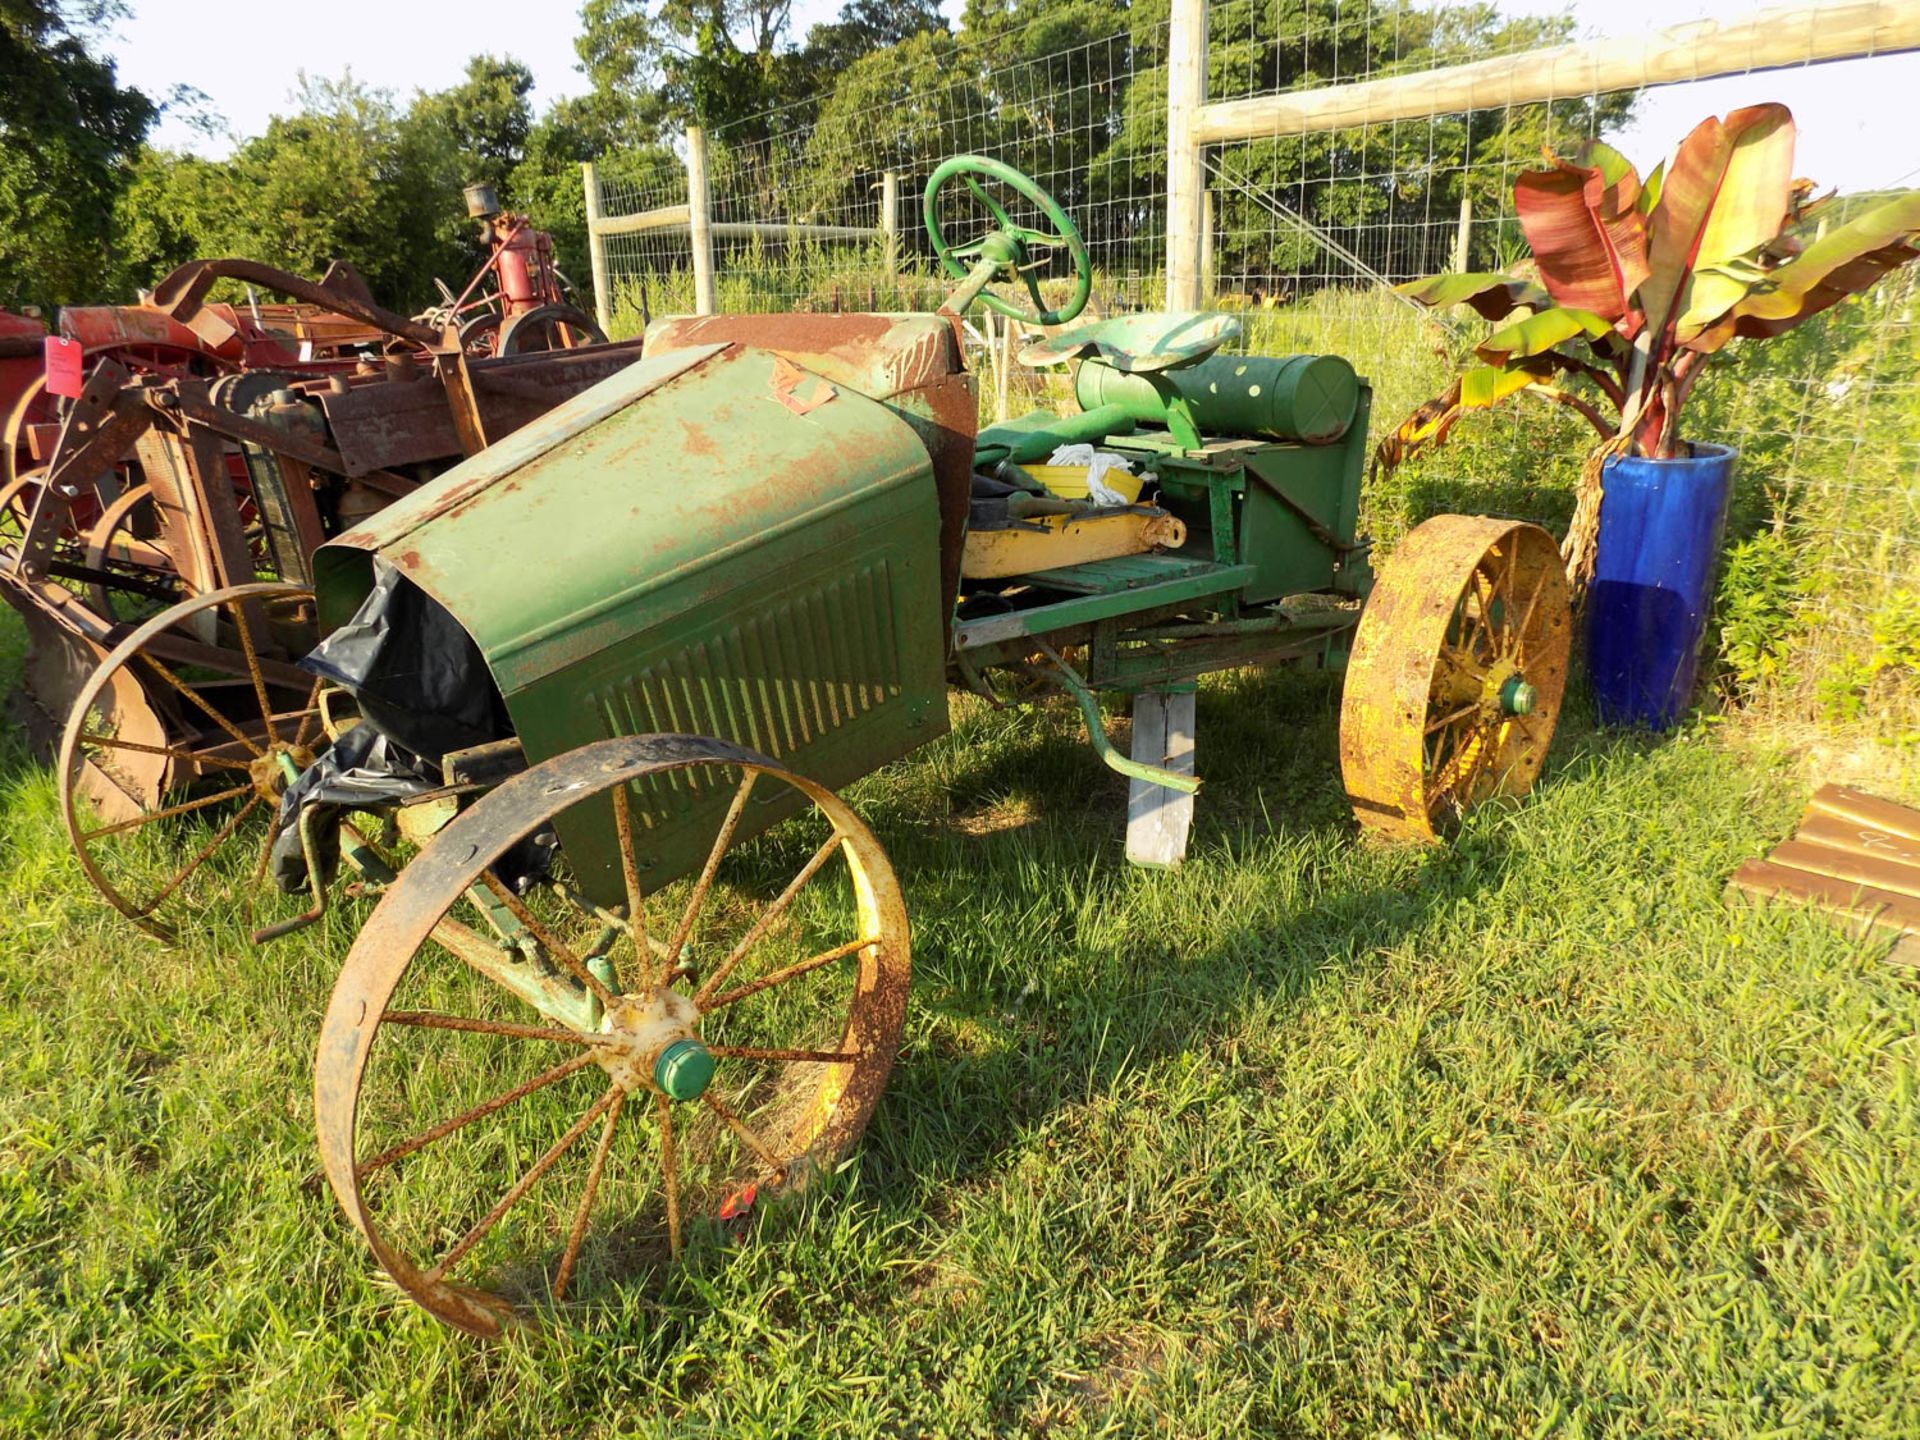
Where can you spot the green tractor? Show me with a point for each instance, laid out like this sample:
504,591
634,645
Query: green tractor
573,676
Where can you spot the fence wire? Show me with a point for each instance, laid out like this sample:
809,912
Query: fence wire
1305,235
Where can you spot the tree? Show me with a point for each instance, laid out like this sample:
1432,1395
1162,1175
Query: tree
485,120
706,62
67,131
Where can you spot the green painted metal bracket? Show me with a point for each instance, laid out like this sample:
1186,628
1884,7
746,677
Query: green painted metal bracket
1085,609
1058,672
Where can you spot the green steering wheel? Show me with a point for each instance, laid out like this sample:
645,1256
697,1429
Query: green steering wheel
1008,250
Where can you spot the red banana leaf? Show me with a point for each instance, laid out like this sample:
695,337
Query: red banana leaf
1586,232
1724,195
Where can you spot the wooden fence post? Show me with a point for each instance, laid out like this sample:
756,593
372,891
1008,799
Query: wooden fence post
1463,240
597,249
890,218
1186,94
700,220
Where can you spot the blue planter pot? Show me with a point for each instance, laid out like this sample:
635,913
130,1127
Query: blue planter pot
1661,523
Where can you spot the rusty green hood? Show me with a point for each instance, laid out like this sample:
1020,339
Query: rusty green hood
713,541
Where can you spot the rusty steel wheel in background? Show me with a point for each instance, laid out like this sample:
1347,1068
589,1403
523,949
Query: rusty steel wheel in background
1456,675
189,730
521,1096
132,574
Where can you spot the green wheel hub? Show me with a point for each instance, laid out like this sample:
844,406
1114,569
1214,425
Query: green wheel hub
683,1070
1517,696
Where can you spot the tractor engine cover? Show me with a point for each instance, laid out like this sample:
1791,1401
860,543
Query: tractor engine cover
714,542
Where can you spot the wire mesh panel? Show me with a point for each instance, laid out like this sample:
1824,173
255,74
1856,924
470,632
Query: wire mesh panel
800,196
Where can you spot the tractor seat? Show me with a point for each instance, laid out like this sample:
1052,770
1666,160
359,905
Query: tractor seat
1137,343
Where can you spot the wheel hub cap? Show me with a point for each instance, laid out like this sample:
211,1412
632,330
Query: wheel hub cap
648,1042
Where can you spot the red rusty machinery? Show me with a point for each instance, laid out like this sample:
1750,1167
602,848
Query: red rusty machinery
209,445
516,301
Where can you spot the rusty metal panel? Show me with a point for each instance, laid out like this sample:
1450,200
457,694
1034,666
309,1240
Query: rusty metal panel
910,363
405,422
707,543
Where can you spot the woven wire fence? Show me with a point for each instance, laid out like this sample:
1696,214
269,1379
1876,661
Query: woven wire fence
790,187
1305,236
1309,233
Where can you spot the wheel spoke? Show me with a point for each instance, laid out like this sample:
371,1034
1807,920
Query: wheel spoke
772,913
309,714
1447,720
198,699
1006,222
215,762
219,839
466,1117
700,887
630,873
181,809
581,1215
253,669
1520,630
670,1173
520,1187
547,941
784,974
433,1020
761,1150
474,949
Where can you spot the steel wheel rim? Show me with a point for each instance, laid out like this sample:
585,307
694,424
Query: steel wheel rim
106,548
1458,669
130,675
836,1090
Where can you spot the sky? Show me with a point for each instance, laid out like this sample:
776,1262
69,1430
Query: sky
1853,116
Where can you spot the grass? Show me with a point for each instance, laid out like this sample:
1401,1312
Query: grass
1530,1135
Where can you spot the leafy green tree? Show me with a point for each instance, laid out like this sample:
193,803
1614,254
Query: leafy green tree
67,130
485,119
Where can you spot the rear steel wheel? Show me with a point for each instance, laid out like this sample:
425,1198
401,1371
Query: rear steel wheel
522,1094
180,744
1456,676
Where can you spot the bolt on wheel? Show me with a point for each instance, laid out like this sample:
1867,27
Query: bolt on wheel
180,744
524,1090
1456,676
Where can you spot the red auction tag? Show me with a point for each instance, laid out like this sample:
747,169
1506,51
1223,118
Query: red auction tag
64,359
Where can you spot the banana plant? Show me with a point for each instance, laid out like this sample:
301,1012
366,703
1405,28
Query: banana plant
1640,281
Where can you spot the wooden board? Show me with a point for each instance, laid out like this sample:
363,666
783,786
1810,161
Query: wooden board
1854,855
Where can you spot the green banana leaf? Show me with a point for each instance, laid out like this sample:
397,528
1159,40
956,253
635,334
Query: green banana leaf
1539,333
1847,260
1494,296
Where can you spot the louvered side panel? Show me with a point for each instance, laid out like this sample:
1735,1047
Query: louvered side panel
782,681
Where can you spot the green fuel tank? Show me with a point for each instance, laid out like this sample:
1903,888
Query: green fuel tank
1305,398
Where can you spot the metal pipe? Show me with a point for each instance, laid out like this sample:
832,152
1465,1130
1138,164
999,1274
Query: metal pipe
1062,674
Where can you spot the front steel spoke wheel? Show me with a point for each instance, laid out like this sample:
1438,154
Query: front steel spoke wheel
181,742
1456,676
543,1070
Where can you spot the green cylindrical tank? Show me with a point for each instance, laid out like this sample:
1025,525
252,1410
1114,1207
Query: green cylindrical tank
1307,398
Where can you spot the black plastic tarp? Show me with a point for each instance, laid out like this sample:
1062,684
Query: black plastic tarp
418,676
